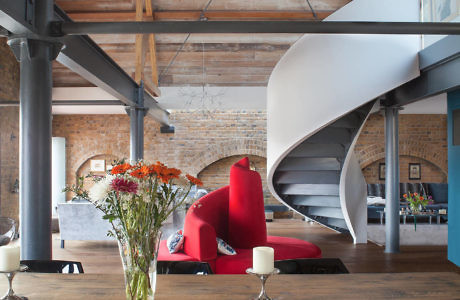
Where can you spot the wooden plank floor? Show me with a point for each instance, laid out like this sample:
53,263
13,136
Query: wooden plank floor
103,257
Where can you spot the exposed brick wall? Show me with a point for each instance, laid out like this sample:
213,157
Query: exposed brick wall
216,140
9,132
422,139
217,174
199,139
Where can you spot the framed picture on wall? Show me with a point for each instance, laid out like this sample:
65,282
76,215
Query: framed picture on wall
381,171
97,165
415,172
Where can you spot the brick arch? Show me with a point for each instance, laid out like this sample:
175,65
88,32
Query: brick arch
79,163
225,149
375,152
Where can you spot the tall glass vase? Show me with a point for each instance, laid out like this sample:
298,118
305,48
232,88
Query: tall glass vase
139,259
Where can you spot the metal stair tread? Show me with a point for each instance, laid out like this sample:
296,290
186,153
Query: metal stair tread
310,189
310,176
307,149
309,163
315,200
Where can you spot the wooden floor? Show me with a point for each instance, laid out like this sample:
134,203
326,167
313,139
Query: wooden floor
103,257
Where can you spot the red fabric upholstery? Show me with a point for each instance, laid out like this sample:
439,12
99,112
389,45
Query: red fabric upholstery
235,214
163,254
285,248
246,213
206,220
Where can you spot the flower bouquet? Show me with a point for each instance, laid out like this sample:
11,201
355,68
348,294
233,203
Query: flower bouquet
137,199
417,202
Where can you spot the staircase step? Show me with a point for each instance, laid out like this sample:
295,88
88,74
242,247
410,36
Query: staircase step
331,135
310,189
315,200
337,223
318,150
309,164
328,212
328,177
349,121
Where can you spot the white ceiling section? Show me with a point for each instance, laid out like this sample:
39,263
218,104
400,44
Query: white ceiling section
431,106
173,98
227,98
81,93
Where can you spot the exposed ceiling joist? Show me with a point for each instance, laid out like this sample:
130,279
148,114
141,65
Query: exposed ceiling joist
190,15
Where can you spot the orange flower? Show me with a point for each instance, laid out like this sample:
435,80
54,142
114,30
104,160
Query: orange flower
141,172
421,198
405,195
120,169
194,180
415,194
157,168
166,174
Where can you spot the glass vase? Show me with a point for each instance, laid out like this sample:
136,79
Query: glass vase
139,259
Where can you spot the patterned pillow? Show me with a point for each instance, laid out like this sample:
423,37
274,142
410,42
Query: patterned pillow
224,248
175,242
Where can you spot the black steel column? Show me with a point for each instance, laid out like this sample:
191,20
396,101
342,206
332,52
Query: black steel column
136,115
35,56
391,180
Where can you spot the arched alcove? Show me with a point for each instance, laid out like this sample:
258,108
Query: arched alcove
84,168
429,171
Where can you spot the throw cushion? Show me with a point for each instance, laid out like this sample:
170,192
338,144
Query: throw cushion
224,248
439,192
175,242
246,212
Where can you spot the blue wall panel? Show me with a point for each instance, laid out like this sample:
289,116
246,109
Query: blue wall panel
453,103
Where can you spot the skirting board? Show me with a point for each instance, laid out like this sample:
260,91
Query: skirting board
425,234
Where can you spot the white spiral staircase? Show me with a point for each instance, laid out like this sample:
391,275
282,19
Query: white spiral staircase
319,96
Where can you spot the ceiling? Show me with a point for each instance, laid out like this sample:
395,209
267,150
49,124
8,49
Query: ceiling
212,59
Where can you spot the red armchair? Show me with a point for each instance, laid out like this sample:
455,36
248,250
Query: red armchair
234,213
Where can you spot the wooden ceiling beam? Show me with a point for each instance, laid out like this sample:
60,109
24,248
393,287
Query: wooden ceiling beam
140,45
192,15
152,45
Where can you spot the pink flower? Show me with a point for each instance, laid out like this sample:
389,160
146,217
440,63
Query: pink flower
123,185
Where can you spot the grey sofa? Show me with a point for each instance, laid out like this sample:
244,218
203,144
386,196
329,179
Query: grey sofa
82,221
437,190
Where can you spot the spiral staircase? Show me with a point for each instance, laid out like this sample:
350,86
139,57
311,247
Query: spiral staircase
308,178
318,99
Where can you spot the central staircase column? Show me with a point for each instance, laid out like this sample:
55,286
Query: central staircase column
136,115
391,180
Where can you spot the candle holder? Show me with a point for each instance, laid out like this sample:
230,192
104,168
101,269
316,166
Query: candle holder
263,278
10,275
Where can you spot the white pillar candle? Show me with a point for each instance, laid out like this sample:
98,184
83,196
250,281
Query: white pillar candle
9,258
263,259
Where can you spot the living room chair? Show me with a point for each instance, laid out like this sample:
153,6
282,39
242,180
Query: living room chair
236,214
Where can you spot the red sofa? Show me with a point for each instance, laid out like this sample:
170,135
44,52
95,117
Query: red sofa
234,213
